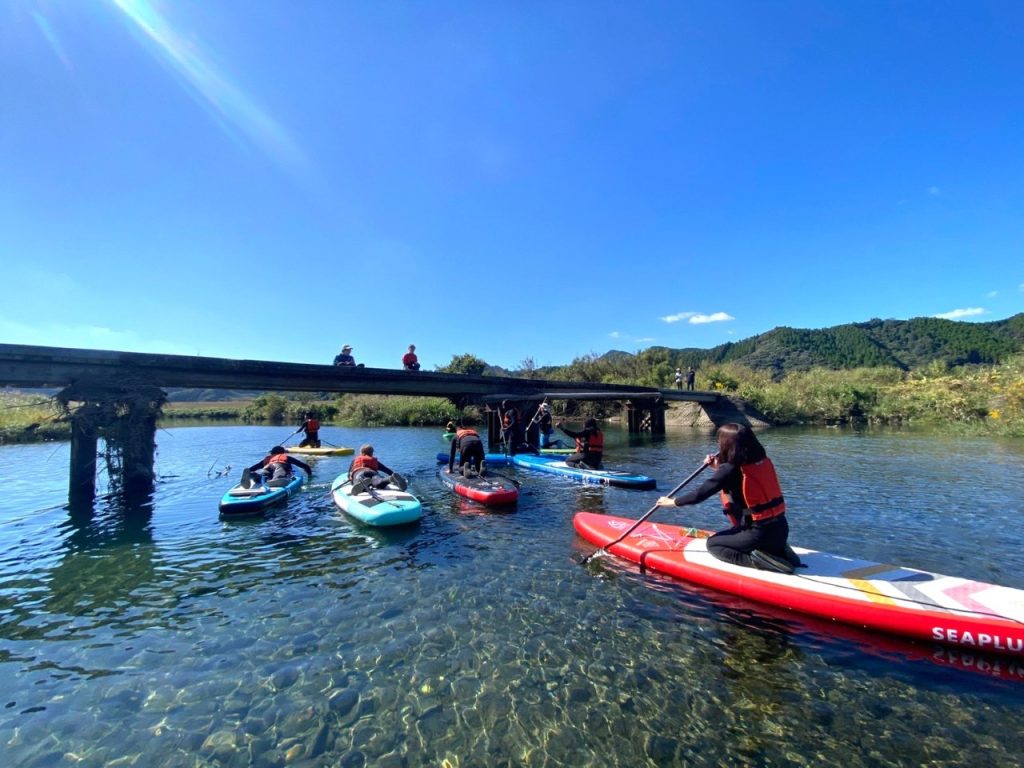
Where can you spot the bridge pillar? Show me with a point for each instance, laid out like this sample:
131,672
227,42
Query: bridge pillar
82,485
645,417
125,417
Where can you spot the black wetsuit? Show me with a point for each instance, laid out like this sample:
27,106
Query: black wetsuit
735,544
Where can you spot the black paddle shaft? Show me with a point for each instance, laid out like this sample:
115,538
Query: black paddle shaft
649,512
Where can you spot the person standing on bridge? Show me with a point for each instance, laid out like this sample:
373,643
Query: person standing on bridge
679,378
690,376
409,360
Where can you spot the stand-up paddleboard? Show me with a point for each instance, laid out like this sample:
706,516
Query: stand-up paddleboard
599,476
324,451
492,459
887,598
378,507
241,501
447,436
489,490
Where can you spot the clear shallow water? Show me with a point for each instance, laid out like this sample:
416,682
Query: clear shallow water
163,635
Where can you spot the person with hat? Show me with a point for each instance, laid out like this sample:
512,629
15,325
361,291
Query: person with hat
545,426
345,358
589,445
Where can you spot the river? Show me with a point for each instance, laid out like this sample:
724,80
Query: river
162,635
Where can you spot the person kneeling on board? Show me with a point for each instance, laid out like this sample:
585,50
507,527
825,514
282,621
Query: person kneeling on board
364,472
311,426
751,498
470,448
276,468
589,445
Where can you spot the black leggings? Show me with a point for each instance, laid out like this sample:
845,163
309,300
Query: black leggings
472,453
735,545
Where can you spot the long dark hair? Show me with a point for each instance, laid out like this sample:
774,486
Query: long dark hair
738,445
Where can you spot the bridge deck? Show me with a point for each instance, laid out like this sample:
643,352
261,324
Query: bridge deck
33,366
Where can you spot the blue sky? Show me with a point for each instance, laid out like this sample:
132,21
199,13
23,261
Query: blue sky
543,180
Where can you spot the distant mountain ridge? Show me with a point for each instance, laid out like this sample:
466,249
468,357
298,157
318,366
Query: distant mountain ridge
904,344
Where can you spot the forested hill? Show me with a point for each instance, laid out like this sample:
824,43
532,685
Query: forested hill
905,344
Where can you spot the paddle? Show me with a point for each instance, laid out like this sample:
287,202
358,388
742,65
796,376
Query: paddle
633,527
293,434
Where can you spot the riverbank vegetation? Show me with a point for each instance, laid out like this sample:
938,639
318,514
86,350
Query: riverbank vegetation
985,399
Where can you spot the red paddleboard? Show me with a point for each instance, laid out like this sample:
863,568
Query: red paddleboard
489,490
887,598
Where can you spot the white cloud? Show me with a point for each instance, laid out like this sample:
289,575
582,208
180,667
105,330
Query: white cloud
934,191
715,317
646,339
615,335
1021,287
956,314
697,318
677,317
993,294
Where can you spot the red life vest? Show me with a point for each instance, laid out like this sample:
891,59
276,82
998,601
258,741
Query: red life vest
275,458
311,425
762,494
592,444
364,462
461,433
511,417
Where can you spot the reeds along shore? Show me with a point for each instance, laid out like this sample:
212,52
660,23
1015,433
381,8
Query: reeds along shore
974,399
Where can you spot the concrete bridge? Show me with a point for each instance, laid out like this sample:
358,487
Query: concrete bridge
118,395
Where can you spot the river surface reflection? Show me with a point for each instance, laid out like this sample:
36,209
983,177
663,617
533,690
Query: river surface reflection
154,633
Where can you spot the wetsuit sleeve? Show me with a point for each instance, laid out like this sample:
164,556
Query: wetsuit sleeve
571,432
301,465
258,465
384,468
708,488
451,453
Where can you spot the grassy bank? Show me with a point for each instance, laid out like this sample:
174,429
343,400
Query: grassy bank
975,399
30,419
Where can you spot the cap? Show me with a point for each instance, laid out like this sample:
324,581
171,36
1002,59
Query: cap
545,407
346,348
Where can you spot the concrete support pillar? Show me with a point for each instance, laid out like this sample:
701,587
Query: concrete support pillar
125,417
82,485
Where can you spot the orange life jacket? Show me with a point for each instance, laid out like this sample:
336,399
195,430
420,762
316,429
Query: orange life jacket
592,444
311,425
275,458
762,494
461,433
364,462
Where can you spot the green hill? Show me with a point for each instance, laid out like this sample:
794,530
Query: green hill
904,344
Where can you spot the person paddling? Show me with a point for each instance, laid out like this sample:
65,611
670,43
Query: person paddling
589,445
751,498
311,426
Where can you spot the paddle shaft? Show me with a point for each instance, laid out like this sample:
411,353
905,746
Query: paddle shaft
649,512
